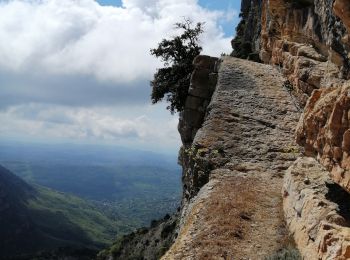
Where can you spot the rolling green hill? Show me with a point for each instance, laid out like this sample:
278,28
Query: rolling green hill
34,218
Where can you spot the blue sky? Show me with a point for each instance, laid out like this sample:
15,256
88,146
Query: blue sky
222,5
210,4
79,71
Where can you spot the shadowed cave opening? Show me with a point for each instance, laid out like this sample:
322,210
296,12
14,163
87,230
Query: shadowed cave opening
341,197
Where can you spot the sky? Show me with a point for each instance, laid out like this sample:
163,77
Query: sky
79,70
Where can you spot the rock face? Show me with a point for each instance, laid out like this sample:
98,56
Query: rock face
239,138
308,40
324,131
317,211
203,83
145,243
246,141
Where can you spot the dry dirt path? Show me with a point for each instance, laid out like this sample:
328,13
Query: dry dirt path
238,213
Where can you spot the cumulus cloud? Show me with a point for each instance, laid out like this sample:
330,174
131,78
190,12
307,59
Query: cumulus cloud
83,37
75,69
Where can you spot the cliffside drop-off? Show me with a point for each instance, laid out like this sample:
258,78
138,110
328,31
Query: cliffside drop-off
248,189
244,146
233,170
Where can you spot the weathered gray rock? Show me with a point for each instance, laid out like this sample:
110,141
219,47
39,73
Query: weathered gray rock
242,110
232,171
145,243
203,82
317,211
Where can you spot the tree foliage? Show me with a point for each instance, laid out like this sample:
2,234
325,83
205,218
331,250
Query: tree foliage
172,82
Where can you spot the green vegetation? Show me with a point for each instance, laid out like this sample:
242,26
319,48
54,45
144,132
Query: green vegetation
134,195
68,217
130,186
35,218
173,80
82,196
241,48
145,243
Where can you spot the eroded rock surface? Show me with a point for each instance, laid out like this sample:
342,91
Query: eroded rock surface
242,149
203,83
324,132
317,211
308,40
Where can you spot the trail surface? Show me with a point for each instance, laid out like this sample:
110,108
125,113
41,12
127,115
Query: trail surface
238,213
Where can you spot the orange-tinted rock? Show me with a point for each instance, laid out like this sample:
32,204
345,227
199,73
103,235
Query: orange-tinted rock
290,36
304,38
324,131
342,10
312,206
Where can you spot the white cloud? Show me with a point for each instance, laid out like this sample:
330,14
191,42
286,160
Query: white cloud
77,70
95,124
82,37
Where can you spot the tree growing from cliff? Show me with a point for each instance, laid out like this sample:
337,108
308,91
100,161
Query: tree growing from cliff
172,82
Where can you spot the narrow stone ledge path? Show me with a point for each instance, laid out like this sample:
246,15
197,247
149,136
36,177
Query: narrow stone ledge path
238,214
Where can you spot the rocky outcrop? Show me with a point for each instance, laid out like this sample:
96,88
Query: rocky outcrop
317,211
238,128
324,131
246,141
145,243
203,83
151,243
307,40
202,86
341,9
247,41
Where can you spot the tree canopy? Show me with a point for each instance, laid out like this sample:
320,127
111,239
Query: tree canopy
173,80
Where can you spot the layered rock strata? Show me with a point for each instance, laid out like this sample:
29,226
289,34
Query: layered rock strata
317,211
324,131
307,40
241,150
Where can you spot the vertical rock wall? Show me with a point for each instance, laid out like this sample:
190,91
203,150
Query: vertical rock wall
308,40
203,83
316,211
324,131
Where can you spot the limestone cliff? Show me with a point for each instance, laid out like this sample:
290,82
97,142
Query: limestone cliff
241,151
246,141
307,39
249,191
